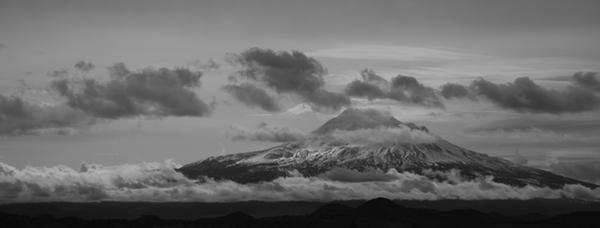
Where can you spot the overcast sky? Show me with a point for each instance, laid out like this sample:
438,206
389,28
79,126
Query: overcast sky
436,42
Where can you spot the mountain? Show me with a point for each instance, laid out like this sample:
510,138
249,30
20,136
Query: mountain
365,140
355,119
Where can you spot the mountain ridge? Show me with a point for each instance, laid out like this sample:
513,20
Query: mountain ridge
379,212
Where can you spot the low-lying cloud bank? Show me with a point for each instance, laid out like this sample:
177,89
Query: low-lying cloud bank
160,182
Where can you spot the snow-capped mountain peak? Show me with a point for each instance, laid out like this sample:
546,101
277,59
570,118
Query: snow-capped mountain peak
366,140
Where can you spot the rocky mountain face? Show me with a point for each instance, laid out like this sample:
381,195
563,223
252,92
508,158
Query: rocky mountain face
364,140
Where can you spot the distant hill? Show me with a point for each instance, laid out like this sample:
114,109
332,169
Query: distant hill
378,212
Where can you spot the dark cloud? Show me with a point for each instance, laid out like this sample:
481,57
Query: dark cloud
289,72
406,82
156,92
265,133
524,95
363,89
84,66
18,116
369,76
253,96
283,71
58,73
118,70
452,90
589,80
407,88
402,88
324,100
160,92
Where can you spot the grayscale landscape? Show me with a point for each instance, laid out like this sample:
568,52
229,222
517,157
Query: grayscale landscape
261,113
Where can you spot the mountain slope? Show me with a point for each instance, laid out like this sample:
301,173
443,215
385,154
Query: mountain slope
366,140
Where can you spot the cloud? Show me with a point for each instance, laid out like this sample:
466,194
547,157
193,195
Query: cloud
589,80
453,90
529,135
289,72
401,88
523,95
407,88
283,71
350,175
74,102
157,92
324,100
559,124
392,53
18,116
521,160
253,96
266,133
210,65
58,73
84,66
363,89
2,46
154,181
92,182
369,76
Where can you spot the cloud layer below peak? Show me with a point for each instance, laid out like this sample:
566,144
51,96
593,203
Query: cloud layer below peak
160,182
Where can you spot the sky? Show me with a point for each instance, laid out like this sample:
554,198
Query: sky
435,42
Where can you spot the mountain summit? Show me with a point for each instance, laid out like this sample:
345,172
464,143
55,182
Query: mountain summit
364,140
354,119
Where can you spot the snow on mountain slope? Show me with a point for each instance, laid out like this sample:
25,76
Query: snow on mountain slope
365,140
299,109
